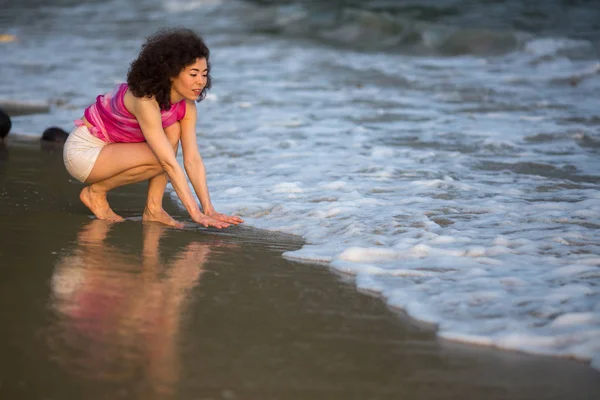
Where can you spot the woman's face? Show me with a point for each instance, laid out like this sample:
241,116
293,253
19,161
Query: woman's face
190,82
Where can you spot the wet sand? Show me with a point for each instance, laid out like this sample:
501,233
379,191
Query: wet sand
93,310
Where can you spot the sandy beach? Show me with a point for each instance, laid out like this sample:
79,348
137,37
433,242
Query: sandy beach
92,310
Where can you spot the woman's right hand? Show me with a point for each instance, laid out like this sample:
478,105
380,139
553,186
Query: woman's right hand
207,221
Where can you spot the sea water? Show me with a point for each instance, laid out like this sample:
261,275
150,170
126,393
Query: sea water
444,154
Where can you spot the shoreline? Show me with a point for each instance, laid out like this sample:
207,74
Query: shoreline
133,310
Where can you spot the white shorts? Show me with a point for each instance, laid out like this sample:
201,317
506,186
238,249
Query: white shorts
81,151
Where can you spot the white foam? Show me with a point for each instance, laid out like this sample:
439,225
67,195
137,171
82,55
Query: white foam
188,5
575,319
551,46
358,254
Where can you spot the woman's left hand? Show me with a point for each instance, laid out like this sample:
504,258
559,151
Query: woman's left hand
230,219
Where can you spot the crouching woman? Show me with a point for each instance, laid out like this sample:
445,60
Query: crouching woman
132,133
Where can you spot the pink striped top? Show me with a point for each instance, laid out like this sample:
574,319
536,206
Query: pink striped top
113,123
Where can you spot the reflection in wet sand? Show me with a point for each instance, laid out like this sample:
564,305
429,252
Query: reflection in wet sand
118,317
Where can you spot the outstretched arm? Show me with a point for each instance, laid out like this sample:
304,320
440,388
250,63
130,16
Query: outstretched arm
147,113
194,166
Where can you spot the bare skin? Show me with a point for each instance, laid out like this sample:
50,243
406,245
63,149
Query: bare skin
160,215
155,160
154,212
98,204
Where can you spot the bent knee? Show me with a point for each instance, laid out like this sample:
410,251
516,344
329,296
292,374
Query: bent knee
159,168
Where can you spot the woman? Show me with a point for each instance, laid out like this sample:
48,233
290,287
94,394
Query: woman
132,134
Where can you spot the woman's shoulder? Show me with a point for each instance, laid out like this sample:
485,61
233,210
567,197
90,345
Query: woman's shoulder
135,104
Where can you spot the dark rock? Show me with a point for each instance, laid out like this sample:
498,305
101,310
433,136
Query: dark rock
5,125
55,134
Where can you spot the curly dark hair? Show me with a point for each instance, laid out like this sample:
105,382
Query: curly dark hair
162,57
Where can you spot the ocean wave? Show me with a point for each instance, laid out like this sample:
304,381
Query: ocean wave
374,30
459,28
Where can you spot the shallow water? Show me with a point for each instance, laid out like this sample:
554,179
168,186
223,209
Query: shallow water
449,162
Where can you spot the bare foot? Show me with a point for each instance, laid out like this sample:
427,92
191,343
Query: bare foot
160,215
98,204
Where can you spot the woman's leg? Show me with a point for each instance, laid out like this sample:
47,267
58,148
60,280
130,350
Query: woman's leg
156,186
117,165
